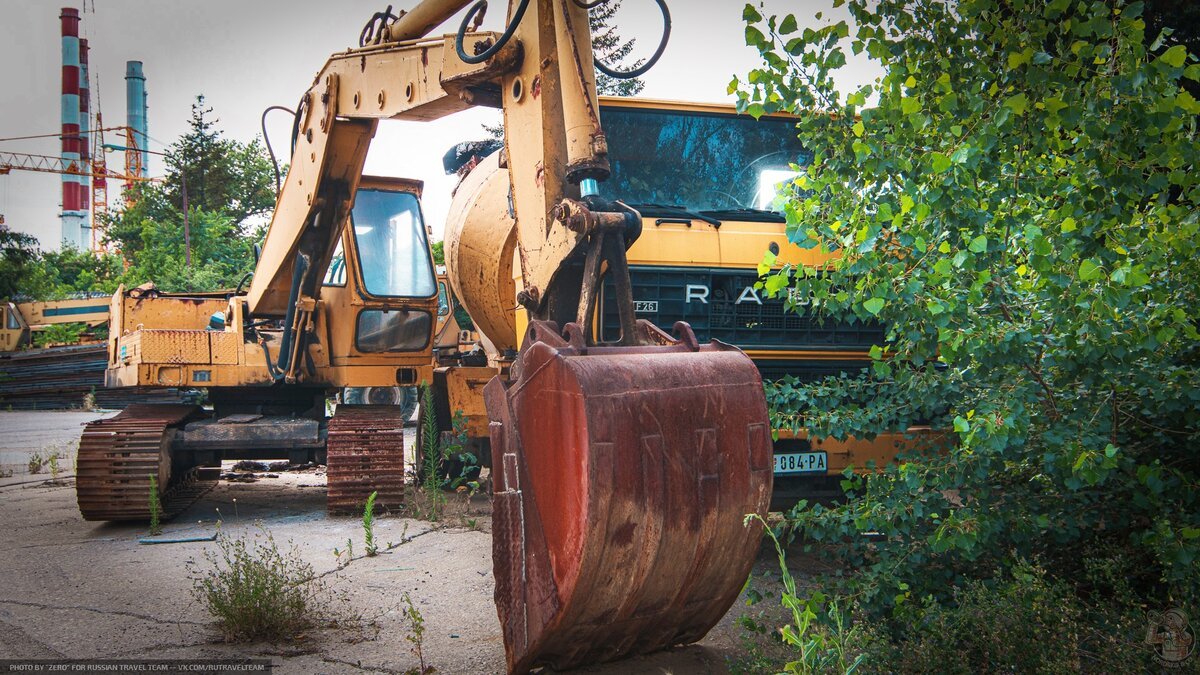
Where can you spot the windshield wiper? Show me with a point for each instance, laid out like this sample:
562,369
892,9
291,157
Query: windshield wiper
674,211
747,214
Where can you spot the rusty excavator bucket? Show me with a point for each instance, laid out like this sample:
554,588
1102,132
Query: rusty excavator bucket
622,476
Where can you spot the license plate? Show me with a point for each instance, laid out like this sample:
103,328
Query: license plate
801,462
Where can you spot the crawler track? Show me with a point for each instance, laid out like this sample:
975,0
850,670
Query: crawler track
365,449
118,455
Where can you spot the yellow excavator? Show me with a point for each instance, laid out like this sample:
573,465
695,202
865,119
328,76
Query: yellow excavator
623,467
20,322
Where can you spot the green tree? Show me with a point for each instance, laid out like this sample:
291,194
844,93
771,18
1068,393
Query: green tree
220,175
608,46
228,185
1016,197
18,255
69,270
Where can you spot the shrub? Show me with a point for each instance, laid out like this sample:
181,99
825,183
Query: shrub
1024,624
257,592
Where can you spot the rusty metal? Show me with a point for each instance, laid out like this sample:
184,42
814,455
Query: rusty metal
622,477
365,449
117,457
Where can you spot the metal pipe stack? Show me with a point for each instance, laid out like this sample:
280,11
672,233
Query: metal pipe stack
135,107
73,216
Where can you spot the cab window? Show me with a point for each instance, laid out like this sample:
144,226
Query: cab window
392,250
443,299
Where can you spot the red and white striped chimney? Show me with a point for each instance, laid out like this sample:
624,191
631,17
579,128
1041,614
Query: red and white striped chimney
73,215
85,137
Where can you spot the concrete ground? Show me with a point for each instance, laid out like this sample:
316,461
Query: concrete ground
74,589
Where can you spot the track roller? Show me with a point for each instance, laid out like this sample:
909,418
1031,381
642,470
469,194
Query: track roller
365,454
117,457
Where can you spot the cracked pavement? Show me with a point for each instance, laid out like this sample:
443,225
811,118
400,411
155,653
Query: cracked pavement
73,589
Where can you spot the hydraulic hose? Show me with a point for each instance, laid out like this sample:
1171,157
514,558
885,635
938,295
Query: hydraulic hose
500,43
267,140
645,67
285,346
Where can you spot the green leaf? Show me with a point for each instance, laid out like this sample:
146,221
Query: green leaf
1068,224
978,244
1175,56
1089,270
775,284
755,37
961,425
766,263
1187,103
1018,103
1017,59
940,162
874,306
751,14
789,25
876,352
858,128
909,105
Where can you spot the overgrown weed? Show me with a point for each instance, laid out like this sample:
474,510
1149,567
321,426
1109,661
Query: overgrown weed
369,526
155,508
415,635
258,592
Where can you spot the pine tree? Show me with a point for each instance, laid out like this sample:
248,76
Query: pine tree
608,46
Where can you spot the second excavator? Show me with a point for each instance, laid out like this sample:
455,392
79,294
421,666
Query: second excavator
623,470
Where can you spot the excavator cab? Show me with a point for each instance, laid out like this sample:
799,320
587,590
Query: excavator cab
14,331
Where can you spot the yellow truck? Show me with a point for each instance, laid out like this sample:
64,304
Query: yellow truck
704,233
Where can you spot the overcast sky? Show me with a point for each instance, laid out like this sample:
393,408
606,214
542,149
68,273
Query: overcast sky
245,55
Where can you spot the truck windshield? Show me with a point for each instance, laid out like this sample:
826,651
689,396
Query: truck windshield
392,250
699,161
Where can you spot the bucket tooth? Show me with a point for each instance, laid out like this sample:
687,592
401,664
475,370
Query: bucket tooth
622,478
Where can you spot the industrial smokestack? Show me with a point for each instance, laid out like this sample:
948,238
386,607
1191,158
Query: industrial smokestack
85,145
73,215
135,107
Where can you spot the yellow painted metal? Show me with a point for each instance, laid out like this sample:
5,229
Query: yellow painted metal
14,330
537,109
421,80
165,339
142,308
464,391
587,152
480,244
733,245
92,311
420,20
860,453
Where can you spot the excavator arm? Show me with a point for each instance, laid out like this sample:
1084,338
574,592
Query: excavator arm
553,136
622,472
